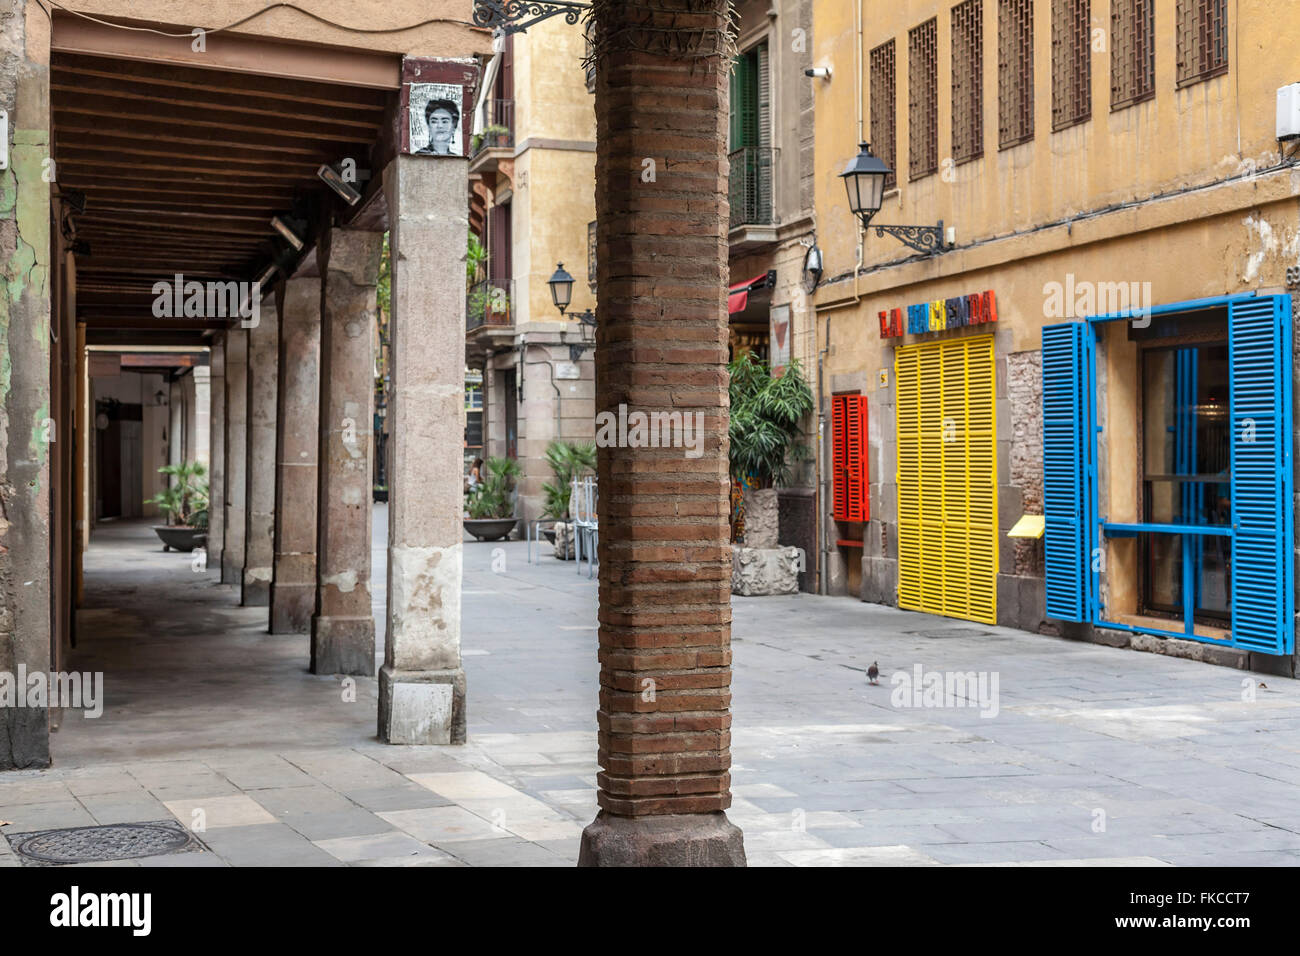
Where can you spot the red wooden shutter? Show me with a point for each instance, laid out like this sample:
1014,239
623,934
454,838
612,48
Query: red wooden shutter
851,497
839,458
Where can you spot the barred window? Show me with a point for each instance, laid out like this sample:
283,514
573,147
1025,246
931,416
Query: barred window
923,99
1132,52
884,133
1202,40
1071,65
968,81
1015,72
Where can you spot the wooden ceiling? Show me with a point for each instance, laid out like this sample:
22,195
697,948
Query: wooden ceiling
183,168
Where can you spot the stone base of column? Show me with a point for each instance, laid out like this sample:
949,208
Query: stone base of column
343,645
421,707
256,588
230,574
677,839
292,606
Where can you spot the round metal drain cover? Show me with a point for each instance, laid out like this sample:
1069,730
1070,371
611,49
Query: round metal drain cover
118,841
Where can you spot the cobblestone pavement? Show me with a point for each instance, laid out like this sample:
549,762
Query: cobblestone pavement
1082,753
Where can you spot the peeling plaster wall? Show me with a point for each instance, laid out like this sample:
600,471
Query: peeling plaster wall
24,375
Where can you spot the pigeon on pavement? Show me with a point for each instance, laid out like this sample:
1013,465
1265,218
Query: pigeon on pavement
873,672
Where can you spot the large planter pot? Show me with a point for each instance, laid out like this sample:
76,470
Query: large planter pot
489,529
179,537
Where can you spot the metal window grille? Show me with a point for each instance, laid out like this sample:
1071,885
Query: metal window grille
923,99
967,81
1071,63
1202,45
1132,52
1015,72
884,133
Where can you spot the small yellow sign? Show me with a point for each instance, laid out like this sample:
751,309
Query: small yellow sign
1029,526
884,378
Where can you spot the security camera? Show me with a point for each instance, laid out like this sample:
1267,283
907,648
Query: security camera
818,72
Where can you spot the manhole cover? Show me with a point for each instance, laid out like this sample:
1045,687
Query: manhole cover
118,841
955,632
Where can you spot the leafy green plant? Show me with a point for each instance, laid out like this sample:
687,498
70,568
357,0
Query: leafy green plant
185,499
568,460
487,298
765,420
475,255
492,497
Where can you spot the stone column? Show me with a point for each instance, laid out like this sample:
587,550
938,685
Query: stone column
293,580
201,416
236,448
665,567
25,400
422,684
259,514
343,629
217,451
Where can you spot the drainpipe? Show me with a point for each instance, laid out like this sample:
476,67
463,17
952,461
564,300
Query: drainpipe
823,487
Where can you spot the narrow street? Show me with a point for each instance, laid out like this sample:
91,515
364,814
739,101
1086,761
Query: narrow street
1088,754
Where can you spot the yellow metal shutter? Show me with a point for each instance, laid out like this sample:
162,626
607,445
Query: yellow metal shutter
947,478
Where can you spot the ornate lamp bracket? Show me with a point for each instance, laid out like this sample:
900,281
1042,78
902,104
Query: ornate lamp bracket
516,16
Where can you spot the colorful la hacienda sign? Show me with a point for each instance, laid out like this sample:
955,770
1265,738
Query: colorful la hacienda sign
954,313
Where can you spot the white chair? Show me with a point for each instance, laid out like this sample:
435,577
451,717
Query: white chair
585,531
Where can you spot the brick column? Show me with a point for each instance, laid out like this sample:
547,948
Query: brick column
293,582
342,629
217,450
422,684
665,565
236,447
259,513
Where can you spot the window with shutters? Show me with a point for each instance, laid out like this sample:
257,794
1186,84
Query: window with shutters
1015,72
750,139
1215,525
923,100
884,127
849,481
1071,63
1202,46
1132,52
947,478
968,81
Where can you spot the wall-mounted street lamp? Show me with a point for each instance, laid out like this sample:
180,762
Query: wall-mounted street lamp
864,179
561,284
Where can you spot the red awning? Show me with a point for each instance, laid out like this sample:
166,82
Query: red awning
738,296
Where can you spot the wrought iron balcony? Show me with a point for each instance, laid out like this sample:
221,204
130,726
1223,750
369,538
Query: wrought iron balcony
500,128
489,303
751,186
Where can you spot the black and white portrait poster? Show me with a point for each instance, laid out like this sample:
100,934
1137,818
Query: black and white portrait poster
435,115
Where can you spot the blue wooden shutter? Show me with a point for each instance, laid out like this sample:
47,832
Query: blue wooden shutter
1263,589
1067,460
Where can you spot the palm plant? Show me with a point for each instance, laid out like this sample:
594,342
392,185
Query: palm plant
765,417
492,497
568,460
185,499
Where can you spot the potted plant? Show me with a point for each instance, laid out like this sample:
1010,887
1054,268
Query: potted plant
764,434
185,502
568,460
490,510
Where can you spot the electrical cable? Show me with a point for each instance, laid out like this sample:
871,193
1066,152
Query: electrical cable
252,16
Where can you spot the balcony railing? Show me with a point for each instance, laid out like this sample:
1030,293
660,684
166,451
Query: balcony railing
489,303
751,186
500,128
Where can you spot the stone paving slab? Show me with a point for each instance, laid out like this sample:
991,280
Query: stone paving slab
827,770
